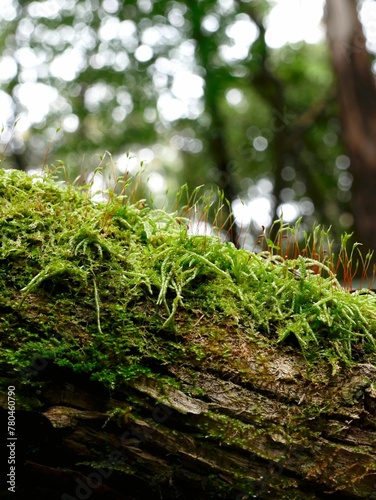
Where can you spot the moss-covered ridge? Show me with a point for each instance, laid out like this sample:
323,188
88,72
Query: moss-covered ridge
115,289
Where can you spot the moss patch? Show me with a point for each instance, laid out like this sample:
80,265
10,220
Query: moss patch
116,289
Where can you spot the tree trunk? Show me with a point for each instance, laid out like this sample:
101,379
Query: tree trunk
216,136
357,96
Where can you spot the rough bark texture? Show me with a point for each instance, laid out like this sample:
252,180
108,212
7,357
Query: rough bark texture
274,438
357,96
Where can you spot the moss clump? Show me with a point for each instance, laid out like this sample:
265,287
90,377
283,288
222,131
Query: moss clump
115,289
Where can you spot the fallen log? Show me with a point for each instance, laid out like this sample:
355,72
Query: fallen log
142,362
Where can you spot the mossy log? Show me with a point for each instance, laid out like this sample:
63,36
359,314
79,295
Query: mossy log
127,387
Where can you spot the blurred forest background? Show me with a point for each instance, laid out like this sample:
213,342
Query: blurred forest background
208,92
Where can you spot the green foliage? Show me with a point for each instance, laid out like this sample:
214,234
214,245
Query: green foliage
113,288
99,94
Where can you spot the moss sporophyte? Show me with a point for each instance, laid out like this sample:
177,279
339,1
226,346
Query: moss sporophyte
124,287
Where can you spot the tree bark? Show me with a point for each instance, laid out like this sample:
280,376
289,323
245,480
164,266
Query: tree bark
357,96
210,436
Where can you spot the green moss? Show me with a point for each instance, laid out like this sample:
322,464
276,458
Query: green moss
116,289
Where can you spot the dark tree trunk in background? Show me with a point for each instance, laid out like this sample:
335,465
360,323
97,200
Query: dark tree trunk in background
216,137
288,127
357,96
